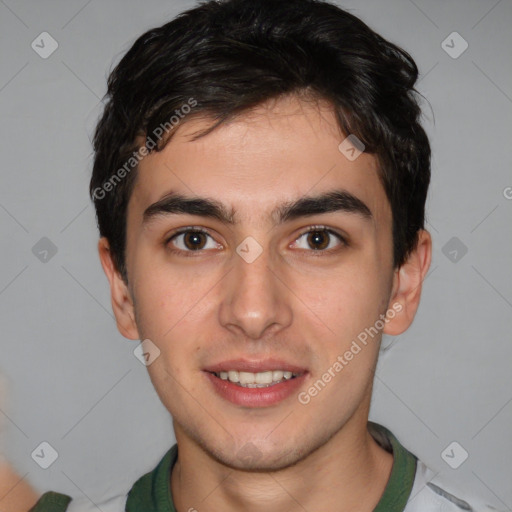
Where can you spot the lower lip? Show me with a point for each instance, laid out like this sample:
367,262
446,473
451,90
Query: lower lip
255,397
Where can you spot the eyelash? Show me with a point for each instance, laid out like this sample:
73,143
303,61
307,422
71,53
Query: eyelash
194,229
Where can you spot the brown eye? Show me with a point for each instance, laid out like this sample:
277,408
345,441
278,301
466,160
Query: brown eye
192,240
318,240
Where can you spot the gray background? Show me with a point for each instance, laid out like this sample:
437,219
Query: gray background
73,379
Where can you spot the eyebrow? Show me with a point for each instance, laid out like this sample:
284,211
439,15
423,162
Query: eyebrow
328,202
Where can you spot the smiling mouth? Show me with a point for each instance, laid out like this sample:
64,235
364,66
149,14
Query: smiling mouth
256,380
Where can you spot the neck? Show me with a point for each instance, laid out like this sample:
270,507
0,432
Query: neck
349,472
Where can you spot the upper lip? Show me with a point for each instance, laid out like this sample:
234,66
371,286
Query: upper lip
254,366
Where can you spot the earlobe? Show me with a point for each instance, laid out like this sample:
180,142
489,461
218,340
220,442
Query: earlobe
122,303
407,286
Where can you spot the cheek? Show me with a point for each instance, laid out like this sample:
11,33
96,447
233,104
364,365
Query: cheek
170,310
161,295
154,307
347,299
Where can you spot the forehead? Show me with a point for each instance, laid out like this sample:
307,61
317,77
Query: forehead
278,152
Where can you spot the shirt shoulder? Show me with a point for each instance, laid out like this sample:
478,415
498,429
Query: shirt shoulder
149,493
441,496
56,502
414,487
51,502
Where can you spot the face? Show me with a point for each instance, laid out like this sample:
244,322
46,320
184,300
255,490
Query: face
265,279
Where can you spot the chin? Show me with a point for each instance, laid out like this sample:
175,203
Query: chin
250,458
256,455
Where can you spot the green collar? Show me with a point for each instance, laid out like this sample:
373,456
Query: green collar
152,492
52,502
403,472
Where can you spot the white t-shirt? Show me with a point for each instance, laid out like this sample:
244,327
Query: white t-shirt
428,496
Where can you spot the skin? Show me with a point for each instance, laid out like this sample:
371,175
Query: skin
293,302
16,494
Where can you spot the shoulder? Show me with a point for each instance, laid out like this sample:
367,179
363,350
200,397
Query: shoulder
51,502
426,490
440,496
56,502
147,494
152,490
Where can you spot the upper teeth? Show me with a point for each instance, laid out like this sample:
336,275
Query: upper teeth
255,378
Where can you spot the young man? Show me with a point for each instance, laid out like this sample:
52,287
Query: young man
259,180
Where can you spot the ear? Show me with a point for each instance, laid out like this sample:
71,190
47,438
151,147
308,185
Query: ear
407,284
122,303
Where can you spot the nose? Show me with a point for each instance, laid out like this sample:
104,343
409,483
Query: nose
255,299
